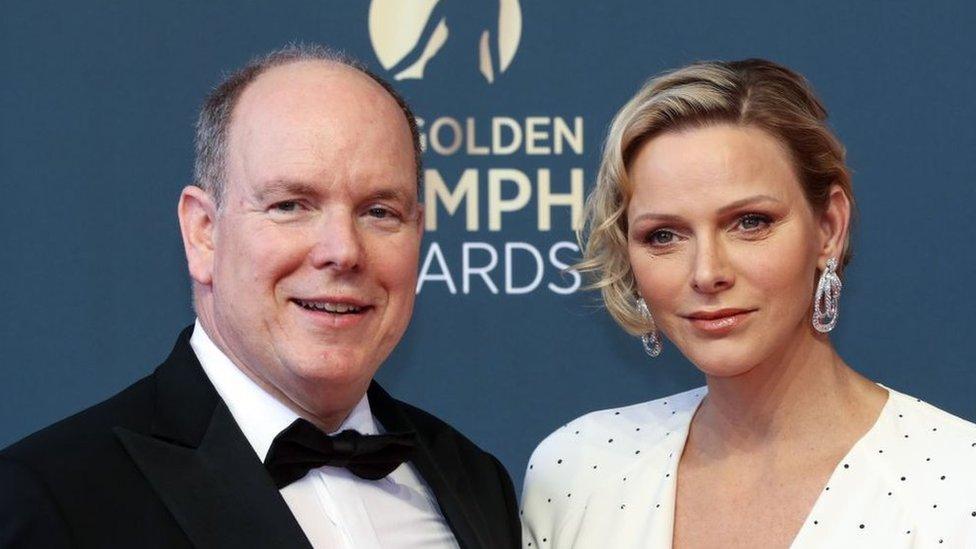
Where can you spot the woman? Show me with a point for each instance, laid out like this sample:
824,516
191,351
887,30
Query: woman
721,217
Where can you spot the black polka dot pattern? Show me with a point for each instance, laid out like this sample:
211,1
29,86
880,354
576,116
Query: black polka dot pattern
909,482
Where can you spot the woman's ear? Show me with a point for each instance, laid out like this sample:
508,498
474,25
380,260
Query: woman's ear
198,213
835,225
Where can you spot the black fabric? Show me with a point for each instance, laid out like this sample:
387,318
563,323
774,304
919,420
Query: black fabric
301,447
163,464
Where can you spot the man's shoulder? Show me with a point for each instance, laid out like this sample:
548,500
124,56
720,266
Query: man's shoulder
63,477
90,432
86,434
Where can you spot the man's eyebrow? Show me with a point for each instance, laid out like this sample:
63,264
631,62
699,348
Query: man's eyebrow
749,201
391,194
285,187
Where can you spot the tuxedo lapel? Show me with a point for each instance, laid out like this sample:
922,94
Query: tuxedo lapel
202,467
438,462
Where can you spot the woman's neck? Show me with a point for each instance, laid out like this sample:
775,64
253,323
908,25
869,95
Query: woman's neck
799,396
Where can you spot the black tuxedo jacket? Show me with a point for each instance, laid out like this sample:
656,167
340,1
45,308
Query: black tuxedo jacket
163,464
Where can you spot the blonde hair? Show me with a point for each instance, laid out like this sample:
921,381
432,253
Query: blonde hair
753,92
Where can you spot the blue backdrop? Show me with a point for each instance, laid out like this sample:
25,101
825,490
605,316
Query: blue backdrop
97,109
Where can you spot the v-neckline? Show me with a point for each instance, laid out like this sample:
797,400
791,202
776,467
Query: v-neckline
674,459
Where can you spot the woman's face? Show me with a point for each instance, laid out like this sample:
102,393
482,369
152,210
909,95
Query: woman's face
724,245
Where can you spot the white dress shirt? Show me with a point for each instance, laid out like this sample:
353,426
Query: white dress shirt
607,480
335,508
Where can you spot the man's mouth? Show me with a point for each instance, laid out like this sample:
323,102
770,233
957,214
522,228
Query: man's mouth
333,307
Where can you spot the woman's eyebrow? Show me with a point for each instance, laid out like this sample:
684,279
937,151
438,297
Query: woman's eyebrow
757,199
749,201
667,218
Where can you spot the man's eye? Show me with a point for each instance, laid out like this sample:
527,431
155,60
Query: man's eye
286,206
752,222
380,213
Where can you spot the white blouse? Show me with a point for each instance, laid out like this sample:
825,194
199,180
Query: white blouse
607,481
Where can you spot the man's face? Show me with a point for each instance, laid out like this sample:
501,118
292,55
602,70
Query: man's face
315,248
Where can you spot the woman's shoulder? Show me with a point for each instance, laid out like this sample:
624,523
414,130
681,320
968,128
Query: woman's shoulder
923,458
923,437
917,414
576,458
612,431
580,456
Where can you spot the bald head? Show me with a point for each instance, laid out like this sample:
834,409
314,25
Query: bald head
312,114
214,122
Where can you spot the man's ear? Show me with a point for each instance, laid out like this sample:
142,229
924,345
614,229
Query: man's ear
198,214
835,225
420,220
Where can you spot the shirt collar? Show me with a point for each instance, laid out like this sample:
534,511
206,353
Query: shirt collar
260,415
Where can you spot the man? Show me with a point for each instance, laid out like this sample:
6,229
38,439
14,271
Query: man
302,238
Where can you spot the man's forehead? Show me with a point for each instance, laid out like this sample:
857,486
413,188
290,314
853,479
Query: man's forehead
313,87
320,98
304,94
319,122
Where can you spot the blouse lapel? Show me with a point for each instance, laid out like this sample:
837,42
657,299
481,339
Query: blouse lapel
636,510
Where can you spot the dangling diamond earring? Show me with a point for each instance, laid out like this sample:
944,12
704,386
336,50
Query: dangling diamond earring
826,298
650,339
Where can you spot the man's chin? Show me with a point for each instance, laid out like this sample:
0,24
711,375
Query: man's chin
333,368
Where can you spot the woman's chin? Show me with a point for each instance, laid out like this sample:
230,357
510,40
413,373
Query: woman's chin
725,371
722,363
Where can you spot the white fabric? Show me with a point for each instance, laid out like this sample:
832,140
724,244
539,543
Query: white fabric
334,508
607,480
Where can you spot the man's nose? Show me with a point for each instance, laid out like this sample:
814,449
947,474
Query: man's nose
711,271
338,243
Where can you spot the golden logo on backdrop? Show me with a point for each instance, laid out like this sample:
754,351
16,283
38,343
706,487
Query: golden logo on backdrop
502,250
408,34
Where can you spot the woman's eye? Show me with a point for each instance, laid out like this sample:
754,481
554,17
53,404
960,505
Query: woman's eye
752,222
661,237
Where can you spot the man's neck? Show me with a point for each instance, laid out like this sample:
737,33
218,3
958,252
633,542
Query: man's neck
327,420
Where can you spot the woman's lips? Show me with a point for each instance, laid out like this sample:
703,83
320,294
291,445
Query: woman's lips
719,323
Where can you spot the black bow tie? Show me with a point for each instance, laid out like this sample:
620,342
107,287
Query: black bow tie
302,446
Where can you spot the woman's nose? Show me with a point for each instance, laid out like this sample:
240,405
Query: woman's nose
711,272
